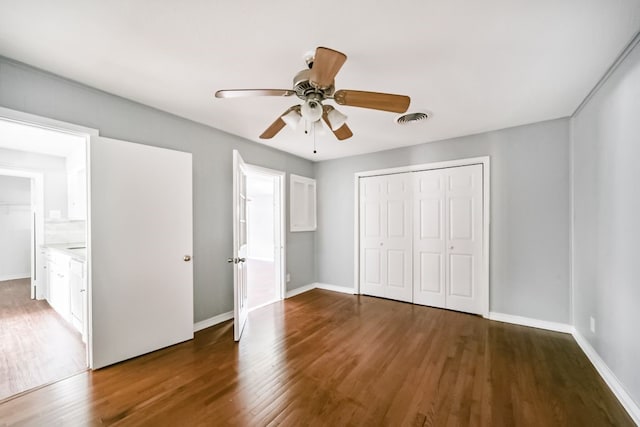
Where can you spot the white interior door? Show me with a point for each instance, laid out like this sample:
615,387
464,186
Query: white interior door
140,246
386,236
464,238
240,300
429,259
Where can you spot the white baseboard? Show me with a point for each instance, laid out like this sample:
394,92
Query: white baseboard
15,276
325,286
207,323
300,290
334,288
609,377
534,323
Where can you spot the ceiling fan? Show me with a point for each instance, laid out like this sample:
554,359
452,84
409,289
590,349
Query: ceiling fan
316,85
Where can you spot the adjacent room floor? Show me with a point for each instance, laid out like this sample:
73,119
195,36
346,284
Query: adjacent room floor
324,358
36,345
261,282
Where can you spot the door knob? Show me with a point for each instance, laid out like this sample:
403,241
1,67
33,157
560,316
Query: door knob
230,260
187,258
242,259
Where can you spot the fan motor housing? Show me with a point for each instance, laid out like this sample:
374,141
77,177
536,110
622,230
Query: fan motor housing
303,87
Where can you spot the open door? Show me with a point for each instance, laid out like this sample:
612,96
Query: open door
140,249
240,300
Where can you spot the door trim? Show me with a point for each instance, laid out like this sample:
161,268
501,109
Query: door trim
485,161
36,206
86,132
282,186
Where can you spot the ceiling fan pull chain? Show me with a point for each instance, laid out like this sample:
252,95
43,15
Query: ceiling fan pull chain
314,138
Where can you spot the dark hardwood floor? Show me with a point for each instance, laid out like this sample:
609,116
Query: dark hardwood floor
36,345
323,358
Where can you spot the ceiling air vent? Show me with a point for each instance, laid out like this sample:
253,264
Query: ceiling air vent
412,118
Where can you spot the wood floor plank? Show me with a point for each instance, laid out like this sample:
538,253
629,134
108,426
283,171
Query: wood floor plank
37,346
323,358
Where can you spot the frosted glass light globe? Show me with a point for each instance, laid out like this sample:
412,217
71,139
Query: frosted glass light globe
311,110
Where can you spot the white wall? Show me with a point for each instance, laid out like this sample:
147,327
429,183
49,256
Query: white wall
54,173
260,225
530,213
15,227
606,177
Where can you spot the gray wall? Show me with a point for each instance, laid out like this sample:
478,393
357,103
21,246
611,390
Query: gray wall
27,89
530,213
606,154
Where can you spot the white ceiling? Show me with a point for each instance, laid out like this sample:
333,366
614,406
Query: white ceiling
477,65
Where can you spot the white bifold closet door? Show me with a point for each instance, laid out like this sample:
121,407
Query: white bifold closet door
447,255
386,237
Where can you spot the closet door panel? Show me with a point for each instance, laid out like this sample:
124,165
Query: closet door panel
386,236
461,276
372,233
429,238
372,266
399,239
464,238
430,276
395,268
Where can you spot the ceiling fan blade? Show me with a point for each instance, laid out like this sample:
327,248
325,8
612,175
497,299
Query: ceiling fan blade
273,129
343,132
277,126
326,64
373,100
241,93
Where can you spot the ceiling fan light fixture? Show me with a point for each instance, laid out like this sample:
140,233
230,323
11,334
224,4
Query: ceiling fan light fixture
313,86
319,129
292,119
311,110
336,119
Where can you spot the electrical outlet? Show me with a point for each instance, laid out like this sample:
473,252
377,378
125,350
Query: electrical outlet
288,277
592,325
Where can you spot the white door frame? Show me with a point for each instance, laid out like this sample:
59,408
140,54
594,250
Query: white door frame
281,241
37,221
486,219
87,133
